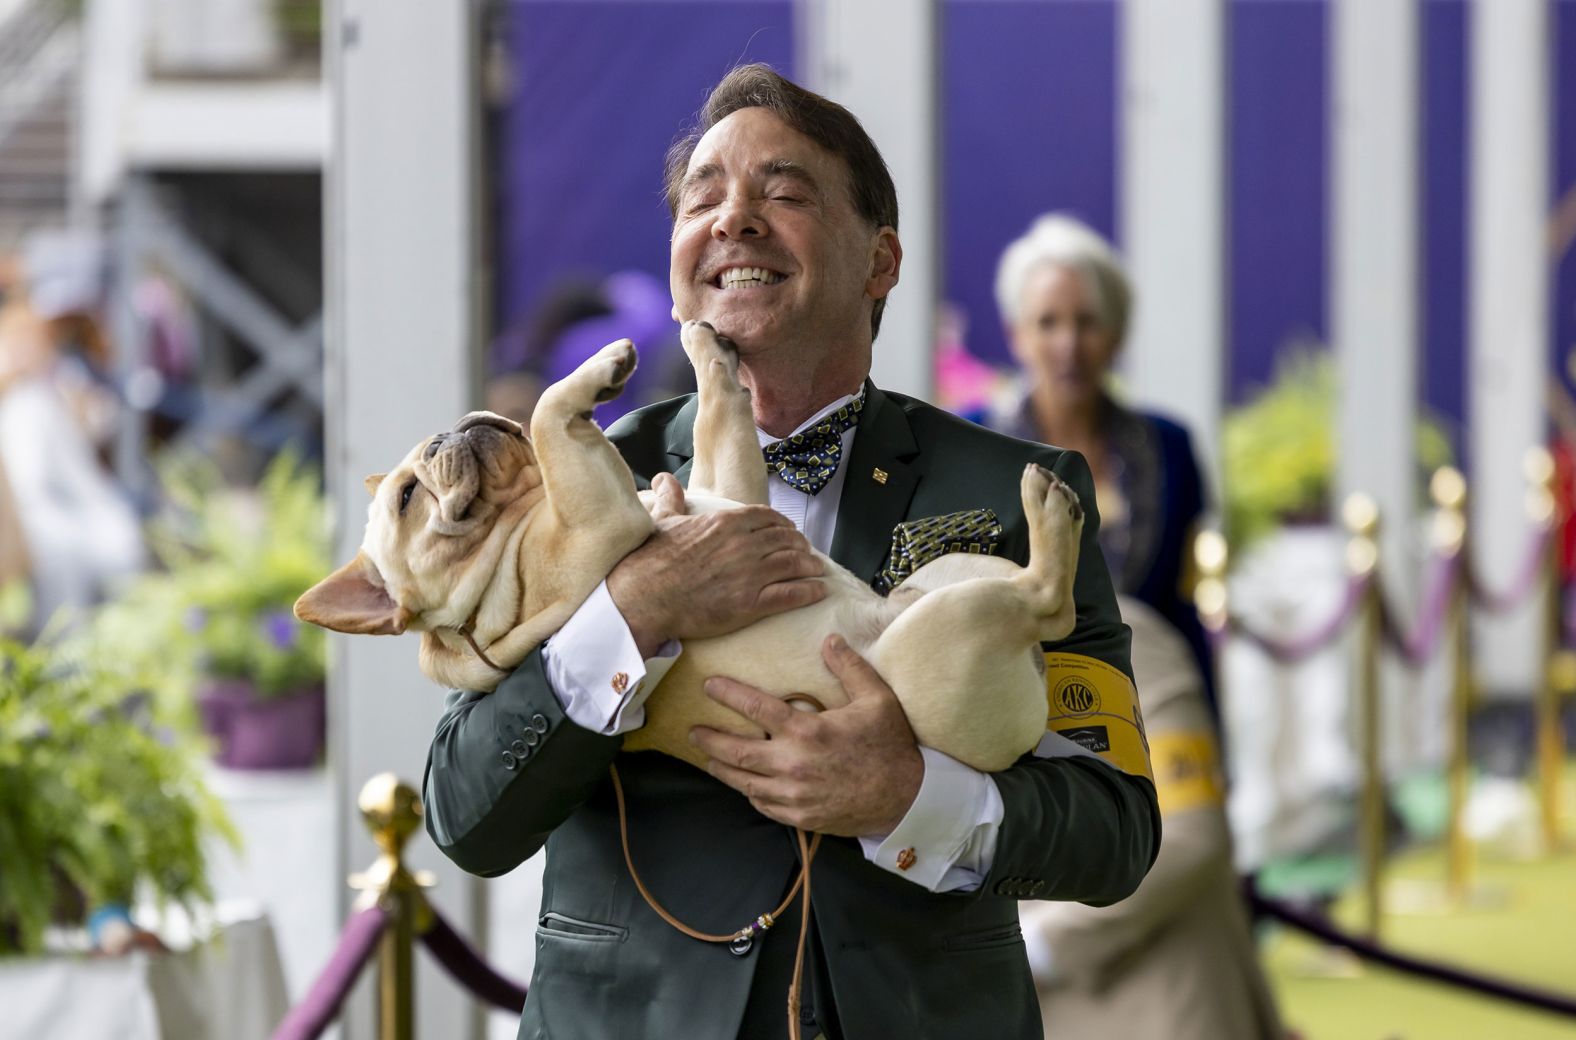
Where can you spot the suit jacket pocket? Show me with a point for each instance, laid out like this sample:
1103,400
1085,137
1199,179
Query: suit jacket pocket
562,926
917,542
984,939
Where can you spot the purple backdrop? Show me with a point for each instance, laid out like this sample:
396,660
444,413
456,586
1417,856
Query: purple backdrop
601,89
1029,108
1029,125
1278,132
1564,288
1446,195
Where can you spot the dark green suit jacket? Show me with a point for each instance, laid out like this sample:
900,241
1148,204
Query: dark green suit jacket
509,772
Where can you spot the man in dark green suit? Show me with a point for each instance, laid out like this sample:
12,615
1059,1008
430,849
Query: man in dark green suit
785,239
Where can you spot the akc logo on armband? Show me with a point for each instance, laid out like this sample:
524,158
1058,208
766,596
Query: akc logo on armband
1096,707
1077,697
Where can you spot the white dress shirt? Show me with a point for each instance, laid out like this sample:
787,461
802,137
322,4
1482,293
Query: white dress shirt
951,828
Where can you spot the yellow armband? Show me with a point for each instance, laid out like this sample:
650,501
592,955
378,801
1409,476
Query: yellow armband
1187,771
1096,707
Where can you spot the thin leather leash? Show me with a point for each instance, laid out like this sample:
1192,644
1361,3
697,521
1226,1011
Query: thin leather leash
807,850
471,639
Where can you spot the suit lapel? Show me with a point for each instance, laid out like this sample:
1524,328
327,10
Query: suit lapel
870,506
681,440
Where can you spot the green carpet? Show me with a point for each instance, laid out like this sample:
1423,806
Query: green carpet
1521,926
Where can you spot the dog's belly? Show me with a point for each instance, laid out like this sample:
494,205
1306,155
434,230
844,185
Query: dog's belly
780,654
975,695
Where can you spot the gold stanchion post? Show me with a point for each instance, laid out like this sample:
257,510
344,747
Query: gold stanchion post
1448,488
1542,509
392,811
1361,516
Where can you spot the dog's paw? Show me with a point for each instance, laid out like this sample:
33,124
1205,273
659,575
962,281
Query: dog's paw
614,364
1047,499
710,352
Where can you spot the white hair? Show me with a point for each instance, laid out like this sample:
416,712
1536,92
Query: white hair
1062,241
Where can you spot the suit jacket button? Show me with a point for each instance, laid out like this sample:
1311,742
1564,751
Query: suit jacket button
1036,888
509,761
518,748
539,722
740,946
532,738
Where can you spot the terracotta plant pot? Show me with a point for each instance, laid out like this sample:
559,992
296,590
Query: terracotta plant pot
255,732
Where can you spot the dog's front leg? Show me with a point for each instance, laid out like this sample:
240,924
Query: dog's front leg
728,460
587,482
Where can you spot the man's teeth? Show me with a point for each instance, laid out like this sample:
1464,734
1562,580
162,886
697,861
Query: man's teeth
744,277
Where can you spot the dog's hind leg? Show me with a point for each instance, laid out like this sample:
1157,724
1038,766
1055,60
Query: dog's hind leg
1055,519
728,460
586,480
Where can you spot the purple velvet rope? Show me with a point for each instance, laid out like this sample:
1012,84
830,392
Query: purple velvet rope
1292,651
308,1019
468,969
1417,646
1526,578
1543,1000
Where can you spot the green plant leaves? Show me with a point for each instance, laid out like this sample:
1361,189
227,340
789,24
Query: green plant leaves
95,796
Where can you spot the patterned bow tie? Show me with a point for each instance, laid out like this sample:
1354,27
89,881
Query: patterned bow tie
808,459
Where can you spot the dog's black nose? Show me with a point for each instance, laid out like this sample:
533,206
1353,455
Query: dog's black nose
433,446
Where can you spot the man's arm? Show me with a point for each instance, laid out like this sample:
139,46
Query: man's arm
491,797
1073,826
506,768
1080,826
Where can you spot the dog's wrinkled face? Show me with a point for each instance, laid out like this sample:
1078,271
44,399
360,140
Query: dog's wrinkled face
437,526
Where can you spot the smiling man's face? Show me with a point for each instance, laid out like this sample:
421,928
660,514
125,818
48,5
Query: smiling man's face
767,244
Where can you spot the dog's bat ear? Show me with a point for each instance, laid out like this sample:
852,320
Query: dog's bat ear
353,599
373,482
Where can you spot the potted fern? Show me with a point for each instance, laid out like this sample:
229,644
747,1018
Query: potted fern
98,803
234,563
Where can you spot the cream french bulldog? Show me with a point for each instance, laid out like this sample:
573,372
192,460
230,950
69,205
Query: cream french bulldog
486,541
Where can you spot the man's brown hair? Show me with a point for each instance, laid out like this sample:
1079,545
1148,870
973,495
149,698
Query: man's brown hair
825,122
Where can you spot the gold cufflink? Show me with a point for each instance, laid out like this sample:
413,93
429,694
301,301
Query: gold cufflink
620,682
879,476
905,859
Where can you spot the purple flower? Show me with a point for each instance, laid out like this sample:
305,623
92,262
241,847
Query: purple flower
280,627
196,619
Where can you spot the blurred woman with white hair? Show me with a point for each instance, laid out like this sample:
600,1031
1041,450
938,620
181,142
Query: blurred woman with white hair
1064,301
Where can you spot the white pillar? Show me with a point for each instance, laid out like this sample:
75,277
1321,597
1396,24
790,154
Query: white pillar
402,362
1172,211
1373,303
1509,333
878,58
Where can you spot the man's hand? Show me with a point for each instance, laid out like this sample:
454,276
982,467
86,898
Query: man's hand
709,575
853,770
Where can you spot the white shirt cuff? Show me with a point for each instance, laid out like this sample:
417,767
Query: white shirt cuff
595,668
948,838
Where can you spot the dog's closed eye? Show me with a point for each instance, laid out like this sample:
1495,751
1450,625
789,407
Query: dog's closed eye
405,493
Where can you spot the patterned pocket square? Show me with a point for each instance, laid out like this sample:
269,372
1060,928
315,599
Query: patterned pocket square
917,542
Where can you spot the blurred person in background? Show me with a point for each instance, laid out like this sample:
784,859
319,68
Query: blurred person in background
1064,300
57,408
576,320
1175,960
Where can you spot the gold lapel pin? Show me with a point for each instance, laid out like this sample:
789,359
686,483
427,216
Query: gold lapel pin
879,476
